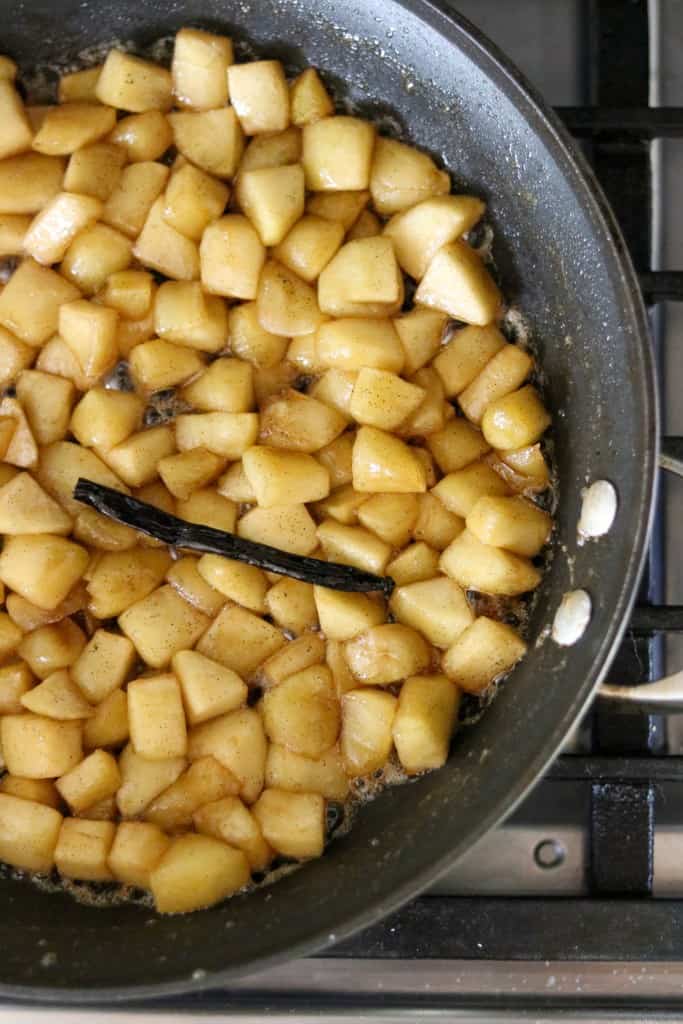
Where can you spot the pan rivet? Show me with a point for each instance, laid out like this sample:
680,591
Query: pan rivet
549,853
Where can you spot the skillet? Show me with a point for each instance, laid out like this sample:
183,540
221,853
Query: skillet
428,76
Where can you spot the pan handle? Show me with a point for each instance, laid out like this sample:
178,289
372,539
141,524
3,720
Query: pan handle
666,695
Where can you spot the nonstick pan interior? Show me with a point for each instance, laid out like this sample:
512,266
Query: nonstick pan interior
433,82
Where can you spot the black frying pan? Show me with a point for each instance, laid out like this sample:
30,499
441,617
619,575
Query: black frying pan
563,262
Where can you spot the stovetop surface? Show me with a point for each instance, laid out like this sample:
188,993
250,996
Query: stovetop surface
574,907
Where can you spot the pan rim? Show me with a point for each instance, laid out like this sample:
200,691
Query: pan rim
460,33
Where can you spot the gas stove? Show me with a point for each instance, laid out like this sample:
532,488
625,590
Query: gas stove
574,907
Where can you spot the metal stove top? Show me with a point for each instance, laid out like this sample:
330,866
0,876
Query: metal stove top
574,908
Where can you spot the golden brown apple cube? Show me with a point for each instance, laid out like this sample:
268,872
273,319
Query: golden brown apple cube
47,400
294,657
273,149
511,523
41,567
93,255
351,344
200,69
130,83
288,527
292,605
136,459
104,417
185,314
130,203
15,681
158,364
26,508
22,449
302,712
299,423
232,256
295,773
95,778
211,139
95,170
54,228
41,791
285,304
457,282
209,508
273,199
460,491
226,386
103,665
90,332
185,578
144,779
403,176
79,85
384,464
387,653
188,471
193,200
30,302
353,545
260,95
382,399
156,717
323,142
16,130
292,823
162,248
282,477
83,848
61,465
10,636
508,368
420,332
424,722
485,651
419,232
197,871
228,434
162,624
240,640
244,584
36,747
57,697
130,293
205,780
435,525
71,126
344,206
144,136
477,566
366,737
344,615
209,689
309,98
28,182
52,647
108,726
137,849
436,607
15,356
28,833
309,246
457,445
238,742
228,819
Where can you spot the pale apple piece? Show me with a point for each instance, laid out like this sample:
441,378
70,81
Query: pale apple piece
227,434
137,848
94,779
41,791
30,301
22,450
136,460
156,365
252,342
52,647
421,332
353,545
391,516
501,375
515,421
240,640
133,84
209,508
183,313
208,688
16,679
108,726
160,247
121,578
144,136
244,584
189,471
10,636
226,386
156,716
272,149
273,199
416,562
200,69
193,200
211,139
387,653
302,712
28,182
54,228
309,246
364,270
292,606
70,126
436,607
309,98
160,625
294,657
134,195
90,332
435,524
46,400
344,207
343,505
228,819
95,170
15,356
382,399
